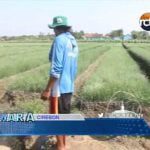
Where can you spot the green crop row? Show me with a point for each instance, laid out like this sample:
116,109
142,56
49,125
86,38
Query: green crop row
20,57
35,80
15,64
118,77
7,49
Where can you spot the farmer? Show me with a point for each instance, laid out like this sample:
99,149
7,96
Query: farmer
63,57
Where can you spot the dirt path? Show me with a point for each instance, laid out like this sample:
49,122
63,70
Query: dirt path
83,77
97,143
3,87
119,143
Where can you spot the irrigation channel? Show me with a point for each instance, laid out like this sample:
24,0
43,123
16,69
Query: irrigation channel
143,64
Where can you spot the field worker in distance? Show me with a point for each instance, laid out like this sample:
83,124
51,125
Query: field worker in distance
63,57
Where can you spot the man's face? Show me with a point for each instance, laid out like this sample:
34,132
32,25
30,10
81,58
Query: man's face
56,31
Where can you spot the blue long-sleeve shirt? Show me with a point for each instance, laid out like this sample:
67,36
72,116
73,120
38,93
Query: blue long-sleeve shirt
63,57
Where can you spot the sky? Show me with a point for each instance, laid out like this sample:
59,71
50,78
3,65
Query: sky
30,17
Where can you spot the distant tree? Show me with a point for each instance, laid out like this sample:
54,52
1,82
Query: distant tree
41,35
140,35
12,38
143,35
134,34
78,35
82,32
116,33
50,36
5,38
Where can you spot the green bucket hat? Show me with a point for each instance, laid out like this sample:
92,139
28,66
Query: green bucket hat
59,21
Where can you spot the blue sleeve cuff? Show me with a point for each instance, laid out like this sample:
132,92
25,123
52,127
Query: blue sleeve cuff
54,73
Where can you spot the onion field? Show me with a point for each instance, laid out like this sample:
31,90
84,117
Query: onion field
117,75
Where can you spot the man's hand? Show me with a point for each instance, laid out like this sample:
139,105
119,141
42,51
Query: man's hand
45,95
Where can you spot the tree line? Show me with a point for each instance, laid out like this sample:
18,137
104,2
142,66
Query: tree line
137,35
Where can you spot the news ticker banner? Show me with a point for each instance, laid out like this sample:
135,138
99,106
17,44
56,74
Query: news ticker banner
70,124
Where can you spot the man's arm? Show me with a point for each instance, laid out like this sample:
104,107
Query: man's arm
56,68
50,83
46,93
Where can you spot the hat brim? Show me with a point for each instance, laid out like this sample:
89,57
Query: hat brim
51,26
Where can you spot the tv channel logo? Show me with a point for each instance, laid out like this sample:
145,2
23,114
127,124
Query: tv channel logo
145,21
